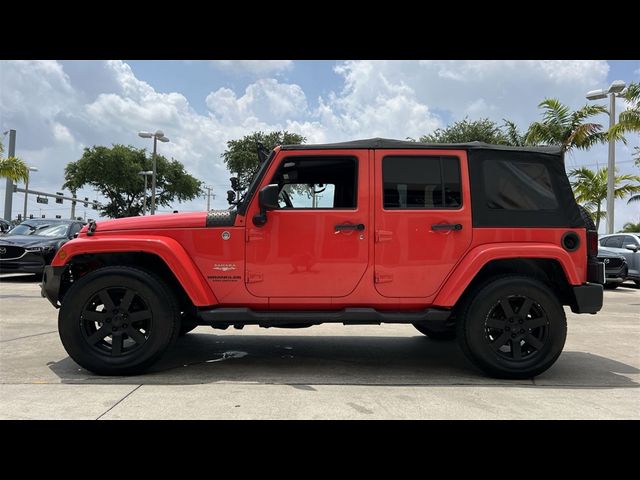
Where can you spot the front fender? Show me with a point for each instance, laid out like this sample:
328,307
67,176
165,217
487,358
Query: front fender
479,256
168,249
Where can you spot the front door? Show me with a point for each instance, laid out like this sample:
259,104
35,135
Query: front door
315,244
422,217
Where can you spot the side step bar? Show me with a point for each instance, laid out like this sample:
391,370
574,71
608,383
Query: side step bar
224,317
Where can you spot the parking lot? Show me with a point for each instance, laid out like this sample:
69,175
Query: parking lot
324,372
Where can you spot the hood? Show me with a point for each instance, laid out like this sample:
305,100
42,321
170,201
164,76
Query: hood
603,252
152,222
30,240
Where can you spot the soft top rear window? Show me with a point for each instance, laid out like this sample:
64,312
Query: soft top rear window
518,185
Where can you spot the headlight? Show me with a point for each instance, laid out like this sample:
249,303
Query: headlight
44,249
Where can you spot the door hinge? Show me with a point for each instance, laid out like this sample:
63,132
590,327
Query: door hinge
383,277
254,234
383,236
253,277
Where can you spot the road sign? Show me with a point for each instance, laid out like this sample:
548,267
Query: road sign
42,200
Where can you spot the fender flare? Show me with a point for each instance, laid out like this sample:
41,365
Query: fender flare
467,269
168,249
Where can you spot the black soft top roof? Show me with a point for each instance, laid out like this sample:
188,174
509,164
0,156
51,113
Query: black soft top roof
387,143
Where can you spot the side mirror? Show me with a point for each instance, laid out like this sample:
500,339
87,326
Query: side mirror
633,248
231,196
268,200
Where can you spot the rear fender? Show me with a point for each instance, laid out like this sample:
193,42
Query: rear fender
481,255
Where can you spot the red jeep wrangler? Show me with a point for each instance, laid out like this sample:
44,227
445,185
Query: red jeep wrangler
477,241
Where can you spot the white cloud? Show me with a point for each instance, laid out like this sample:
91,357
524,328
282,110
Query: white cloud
256,68
59,108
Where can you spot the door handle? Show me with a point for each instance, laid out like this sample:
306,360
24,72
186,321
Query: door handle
446,226
349,226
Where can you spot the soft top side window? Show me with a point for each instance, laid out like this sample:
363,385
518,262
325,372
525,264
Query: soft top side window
317,182
518,185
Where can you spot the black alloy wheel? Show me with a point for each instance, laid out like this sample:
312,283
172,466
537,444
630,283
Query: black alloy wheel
516,327
116,321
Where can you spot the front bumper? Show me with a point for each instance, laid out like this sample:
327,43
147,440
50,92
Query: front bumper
588,298
50,287
28,263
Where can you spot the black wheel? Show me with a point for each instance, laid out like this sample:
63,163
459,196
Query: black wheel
186,325
512,327
449,334
611,286
118,320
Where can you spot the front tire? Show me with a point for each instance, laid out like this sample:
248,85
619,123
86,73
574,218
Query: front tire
512,327
118,320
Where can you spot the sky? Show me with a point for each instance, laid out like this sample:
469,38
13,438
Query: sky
60,107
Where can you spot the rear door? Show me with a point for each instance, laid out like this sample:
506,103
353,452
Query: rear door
422,219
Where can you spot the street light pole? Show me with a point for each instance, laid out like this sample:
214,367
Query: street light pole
159,135
611,166
144,198
153,177
8,193
26,190
616,89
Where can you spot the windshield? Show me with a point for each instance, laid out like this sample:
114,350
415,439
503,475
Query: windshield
25,229
53,231
254,182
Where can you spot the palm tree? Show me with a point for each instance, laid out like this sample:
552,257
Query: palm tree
590,189
630,228
13,167
560,126
629,120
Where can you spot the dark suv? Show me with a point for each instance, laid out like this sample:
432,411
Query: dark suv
32,244
478,241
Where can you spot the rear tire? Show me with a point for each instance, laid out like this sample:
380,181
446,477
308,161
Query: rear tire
436,334
512,327
118,320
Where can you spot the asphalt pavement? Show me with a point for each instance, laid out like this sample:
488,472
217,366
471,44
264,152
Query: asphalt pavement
324,372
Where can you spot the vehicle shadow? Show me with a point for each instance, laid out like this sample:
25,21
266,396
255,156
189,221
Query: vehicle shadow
20,278
341,360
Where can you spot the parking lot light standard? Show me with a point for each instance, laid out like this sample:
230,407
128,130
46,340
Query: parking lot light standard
144,198
615,90
159,135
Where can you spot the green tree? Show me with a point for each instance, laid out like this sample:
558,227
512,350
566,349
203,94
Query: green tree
114,173
590,189
483,130
566,128
629,120
13,168
241,156
630,228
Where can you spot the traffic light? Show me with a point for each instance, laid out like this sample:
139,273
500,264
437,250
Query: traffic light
19,217
58,216
59,200
94,205
86,202
44,216
31,216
